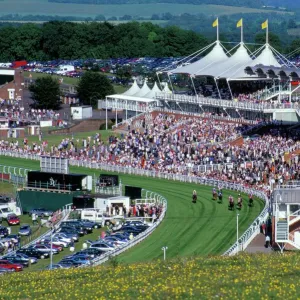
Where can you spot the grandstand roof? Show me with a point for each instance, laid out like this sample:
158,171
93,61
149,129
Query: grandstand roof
133,89
224,69
217,54
266,58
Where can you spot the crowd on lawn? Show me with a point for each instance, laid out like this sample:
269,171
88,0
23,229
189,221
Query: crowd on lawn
20,114
139,210
181,145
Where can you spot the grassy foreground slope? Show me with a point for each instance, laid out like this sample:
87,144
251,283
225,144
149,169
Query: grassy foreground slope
188,229
239,277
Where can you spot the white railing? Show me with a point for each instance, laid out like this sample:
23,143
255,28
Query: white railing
224,103
245,239
65,212
139,238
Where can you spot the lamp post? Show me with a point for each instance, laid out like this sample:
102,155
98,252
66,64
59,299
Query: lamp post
164,249
51,252
237,232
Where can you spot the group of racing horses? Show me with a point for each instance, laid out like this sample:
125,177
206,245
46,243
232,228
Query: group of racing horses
218,195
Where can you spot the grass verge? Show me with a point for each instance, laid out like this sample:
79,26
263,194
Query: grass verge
239,277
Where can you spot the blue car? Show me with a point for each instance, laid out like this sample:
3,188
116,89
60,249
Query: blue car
25,230
41,212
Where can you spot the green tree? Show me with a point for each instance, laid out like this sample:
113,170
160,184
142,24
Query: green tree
124,73
45,93
92,87
274,40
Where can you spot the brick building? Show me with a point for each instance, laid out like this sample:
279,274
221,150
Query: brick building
11,84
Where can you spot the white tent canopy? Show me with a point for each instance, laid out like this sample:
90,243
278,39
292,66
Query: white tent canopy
133,89
224,69
217,54
143,91
265,58
153,92
166,89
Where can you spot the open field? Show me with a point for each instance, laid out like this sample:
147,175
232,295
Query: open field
72,81
188,229
239,277
42,7
55,140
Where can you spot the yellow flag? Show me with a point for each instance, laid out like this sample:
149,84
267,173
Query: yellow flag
215,23
239,23
264,25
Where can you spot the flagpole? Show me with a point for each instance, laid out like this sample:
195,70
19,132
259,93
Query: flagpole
267,32
242,33
217,29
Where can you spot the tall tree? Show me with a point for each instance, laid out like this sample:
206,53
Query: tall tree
92,87
45,93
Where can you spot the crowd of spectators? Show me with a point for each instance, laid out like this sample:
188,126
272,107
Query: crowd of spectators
182,145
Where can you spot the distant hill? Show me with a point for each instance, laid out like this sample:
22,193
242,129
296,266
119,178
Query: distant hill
289,4
243,3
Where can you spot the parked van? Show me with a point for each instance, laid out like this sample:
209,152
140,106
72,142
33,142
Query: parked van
63,69
97,216
10,208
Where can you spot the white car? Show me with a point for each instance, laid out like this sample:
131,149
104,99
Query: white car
62,237
102,246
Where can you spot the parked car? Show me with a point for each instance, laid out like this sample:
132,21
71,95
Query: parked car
56,242
8,265
33,253
55,266
4,270
65,237
101,246
82,259
41,212
70,263
44,249
47,243
83,225
17,260
25,230
13,219
74,229
33,260
94,252
3,231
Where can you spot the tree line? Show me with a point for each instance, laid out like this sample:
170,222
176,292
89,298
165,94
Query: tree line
243,3
66,40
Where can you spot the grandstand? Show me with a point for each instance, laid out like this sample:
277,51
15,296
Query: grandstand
238,84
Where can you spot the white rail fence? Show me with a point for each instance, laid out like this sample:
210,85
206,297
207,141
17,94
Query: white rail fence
65,212
156,198
244,240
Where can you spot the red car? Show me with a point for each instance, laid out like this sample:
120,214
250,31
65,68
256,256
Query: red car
8,265
13,219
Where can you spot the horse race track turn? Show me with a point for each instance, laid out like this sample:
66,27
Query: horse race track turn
188,229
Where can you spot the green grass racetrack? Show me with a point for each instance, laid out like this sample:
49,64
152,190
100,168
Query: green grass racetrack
188,229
